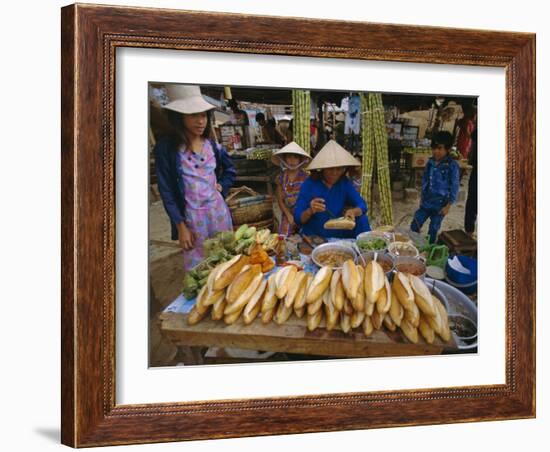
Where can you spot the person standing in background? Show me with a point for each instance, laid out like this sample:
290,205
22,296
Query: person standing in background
270,133
466,126
439,186
194,173
291,159
470,215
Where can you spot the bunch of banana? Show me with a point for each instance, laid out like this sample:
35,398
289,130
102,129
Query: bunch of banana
414,309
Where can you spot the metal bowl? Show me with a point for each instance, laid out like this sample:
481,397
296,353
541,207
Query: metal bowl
397,249
373,235
410,262
332,247
368,256
457,304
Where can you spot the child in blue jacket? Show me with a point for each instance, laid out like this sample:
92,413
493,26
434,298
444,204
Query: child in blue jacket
440,184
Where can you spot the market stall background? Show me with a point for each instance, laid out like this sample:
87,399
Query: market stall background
406,121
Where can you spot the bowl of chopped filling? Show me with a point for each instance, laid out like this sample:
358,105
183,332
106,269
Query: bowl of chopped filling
332,255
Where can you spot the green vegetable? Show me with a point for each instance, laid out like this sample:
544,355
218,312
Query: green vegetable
249,233
243,245
190,286
204,274
227,237
239,232
371,244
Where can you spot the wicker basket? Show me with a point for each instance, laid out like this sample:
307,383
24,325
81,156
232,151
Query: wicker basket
249,207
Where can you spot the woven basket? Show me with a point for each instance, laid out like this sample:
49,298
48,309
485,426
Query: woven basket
248,206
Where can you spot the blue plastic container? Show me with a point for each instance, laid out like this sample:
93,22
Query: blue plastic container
463,279
467,289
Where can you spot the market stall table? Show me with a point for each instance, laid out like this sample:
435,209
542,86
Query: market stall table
290,337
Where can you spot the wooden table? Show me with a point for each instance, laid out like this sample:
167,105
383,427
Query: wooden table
293,337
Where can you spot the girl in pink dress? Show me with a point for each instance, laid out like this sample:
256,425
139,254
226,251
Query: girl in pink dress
194,174
291,158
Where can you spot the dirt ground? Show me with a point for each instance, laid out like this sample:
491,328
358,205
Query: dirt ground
166,273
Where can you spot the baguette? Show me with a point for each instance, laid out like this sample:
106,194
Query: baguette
374,281
367,326
422,296
284,280
345,322
357,318
246,296
359,301
296,288
350,279
228,271
319,284
314,320
427,333
241,282
195,316
402,288
410,332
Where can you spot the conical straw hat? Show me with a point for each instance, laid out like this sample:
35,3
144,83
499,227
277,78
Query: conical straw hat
186,99
290,148
332,155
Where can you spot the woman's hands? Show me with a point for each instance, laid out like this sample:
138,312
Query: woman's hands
353,213
290,217
219,188
317,205
186,237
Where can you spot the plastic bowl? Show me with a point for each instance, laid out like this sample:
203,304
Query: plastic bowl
459,278
467,289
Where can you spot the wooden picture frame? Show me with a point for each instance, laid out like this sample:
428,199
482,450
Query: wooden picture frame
90,36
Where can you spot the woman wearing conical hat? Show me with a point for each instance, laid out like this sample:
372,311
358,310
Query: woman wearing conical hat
292,160
194,173
328,193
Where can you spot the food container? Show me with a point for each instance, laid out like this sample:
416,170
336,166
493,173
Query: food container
435,272
413,265
464,328
467,289
459,278
367,241
384,259
457,304
402,249
332,254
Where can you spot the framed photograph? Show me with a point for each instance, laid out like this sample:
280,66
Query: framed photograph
224,248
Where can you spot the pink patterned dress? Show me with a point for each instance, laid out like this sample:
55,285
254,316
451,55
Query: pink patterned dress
291,190
206,212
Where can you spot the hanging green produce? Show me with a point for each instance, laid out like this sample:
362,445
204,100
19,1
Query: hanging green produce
375,155
301,112
367,151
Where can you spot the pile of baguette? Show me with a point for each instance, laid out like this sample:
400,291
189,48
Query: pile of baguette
343,299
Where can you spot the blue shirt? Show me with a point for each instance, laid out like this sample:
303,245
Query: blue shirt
340,196
440,181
